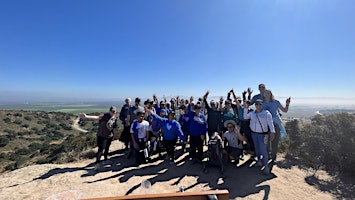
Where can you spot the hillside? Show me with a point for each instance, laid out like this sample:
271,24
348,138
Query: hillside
28,137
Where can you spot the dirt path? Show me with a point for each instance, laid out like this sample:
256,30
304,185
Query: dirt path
78,180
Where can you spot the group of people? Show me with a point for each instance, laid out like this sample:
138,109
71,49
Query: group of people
254,131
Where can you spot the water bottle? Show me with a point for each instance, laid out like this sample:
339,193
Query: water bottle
146,187
146,155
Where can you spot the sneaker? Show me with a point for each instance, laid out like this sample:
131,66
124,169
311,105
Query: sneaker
107,162
266,170
97,167
258,164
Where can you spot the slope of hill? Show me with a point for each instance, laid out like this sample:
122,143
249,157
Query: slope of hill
28,137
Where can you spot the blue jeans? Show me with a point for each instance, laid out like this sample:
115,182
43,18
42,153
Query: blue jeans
260,147
277,120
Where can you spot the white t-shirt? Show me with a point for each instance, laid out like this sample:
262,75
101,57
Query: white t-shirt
233,140
142,128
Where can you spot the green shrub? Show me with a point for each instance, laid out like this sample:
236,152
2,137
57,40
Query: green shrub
4,141
11,166
28,118
7,120
327,142
17,121
23,151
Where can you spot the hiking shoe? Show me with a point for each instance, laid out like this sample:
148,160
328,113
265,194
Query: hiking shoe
258,164
107,162
266,170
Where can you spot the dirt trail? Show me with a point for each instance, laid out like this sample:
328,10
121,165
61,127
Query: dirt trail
79,180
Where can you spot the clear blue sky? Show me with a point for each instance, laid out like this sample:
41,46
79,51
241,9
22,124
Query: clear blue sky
116,49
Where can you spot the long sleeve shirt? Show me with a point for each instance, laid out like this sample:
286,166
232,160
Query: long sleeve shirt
171,129
214,118
260,122
198,124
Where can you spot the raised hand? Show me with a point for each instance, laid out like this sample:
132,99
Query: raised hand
288,101
206,94
221,99
191,99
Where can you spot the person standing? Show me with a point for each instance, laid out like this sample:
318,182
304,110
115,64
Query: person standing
140,135
125,136
104,136
214,116
262,88
228,113
198,129
171,131
273,105
184,121
244,124
260,123
131,116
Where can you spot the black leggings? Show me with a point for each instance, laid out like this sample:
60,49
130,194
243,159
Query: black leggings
170,147
103,144
196,143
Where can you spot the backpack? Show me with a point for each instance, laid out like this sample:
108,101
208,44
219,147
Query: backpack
214,149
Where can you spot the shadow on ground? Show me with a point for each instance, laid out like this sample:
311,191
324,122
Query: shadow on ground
240,181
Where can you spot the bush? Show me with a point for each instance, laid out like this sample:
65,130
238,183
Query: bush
18,115
11,166
327,142
4,141
7,120
35,146
28,118
23,151
18,122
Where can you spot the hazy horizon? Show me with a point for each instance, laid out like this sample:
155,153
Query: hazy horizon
18,99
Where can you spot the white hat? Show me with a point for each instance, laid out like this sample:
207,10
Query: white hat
229,122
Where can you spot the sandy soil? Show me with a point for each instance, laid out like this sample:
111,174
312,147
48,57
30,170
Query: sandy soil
79,180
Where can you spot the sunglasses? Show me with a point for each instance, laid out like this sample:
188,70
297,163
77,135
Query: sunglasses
230,127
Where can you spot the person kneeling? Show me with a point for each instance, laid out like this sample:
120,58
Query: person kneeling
233,140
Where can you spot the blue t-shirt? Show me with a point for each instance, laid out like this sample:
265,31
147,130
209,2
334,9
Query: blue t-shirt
272,107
